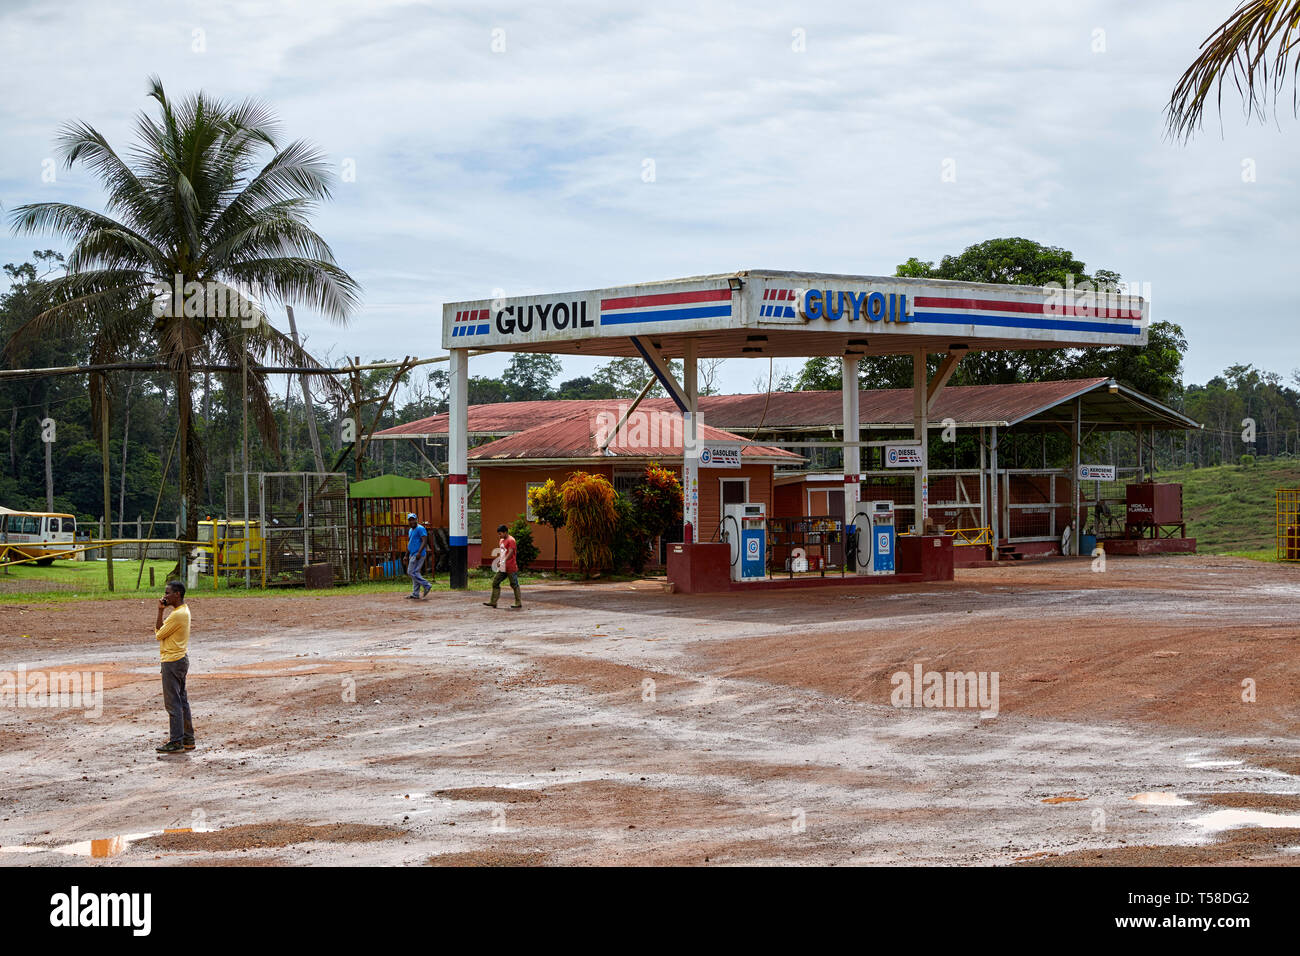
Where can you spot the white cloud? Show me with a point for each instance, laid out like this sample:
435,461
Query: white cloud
522,169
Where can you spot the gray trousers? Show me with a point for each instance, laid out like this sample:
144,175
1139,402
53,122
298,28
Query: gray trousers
176,700
413,570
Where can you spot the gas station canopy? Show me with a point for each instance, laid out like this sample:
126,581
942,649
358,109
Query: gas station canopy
759,313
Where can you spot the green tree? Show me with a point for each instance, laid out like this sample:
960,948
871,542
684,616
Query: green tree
584,386
625,377
528,376
547,504
197,208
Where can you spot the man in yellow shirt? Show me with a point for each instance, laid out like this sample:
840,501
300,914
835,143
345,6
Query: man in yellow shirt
174,644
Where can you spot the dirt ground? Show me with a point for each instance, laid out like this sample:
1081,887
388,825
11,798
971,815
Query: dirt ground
618,724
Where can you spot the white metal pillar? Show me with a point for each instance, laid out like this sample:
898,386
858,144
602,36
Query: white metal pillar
852,453
1076,534
691,449
994,511
920,431
457,467
984,498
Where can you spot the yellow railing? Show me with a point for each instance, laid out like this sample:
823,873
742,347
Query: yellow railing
1288,524
970,536
964,537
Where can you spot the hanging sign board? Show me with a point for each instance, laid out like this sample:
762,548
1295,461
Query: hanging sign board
719,456
1096,472
902,456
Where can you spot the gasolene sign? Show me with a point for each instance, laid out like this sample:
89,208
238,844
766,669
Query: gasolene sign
719,456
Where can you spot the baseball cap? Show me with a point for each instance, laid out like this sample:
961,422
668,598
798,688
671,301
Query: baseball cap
412,515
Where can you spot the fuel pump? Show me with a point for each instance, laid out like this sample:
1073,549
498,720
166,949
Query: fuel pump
874,522
744,528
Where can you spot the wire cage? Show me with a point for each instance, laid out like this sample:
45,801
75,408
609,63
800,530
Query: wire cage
297,520
1288,524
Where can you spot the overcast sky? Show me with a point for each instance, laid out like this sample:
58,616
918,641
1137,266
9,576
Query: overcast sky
505,145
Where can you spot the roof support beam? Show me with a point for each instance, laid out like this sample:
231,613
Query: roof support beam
946,368
645,390
663,371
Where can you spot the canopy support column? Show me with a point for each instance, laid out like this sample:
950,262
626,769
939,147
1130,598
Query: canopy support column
921,431
1076,535
852,453
994,511
690,446
457,468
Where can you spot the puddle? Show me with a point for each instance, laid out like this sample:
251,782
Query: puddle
1212,764
1160,800
101,849
1226,819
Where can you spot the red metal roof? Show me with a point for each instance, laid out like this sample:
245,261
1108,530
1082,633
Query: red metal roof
581,436
967,405
498,418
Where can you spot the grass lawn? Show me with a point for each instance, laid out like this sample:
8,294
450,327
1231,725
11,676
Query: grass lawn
76,580
1231,508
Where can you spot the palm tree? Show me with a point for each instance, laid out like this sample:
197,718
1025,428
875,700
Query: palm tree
195,239
1254,46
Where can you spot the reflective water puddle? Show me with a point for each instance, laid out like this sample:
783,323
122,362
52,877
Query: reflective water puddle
1226,819
1160,799
100,849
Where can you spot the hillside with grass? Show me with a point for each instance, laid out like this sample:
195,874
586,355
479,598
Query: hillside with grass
1231,508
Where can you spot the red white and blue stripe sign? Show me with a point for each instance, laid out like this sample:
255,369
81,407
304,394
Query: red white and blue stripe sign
471,322
1118,316
666,307
777,304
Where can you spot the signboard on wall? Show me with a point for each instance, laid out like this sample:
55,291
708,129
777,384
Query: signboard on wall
902,456
719,456
1096,472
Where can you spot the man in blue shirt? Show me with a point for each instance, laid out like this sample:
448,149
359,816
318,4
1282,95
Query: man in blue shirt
417,545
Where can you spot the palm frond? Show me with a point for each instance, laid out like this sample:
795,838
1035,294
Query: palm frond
1254,47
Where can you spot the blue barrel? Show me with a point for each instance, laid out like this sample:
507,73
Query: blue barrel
1087,543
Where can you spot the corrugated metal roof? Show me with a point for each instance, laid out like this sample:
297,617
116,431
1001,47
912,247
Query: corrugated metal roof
580,436
967,405
498,418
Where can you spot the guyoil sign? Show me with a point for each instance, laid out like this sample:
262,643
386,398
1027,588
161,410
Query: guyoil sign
833,304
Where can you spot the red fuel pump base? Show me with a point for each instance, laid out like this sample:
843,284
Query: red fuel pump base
706,568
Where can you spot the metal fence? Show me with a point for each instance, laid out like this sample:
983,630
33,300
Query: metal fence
160,546
300,518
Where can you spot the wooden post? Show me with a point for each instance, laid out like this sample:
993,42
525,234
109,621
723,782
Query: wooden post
108,496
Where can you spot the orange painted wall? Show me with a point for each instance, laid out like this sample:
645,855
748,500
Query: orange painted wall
760,489
789,500
502,499
502,491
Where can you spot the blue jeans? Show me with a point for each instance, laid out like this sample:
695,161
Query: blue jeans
413,569
176,700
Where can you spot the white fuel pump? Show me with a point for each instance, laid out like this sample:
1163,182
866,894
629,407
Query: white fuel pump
744,528
874,522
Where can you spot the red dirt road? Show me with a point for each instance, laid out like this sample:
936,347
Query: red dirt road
619,724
